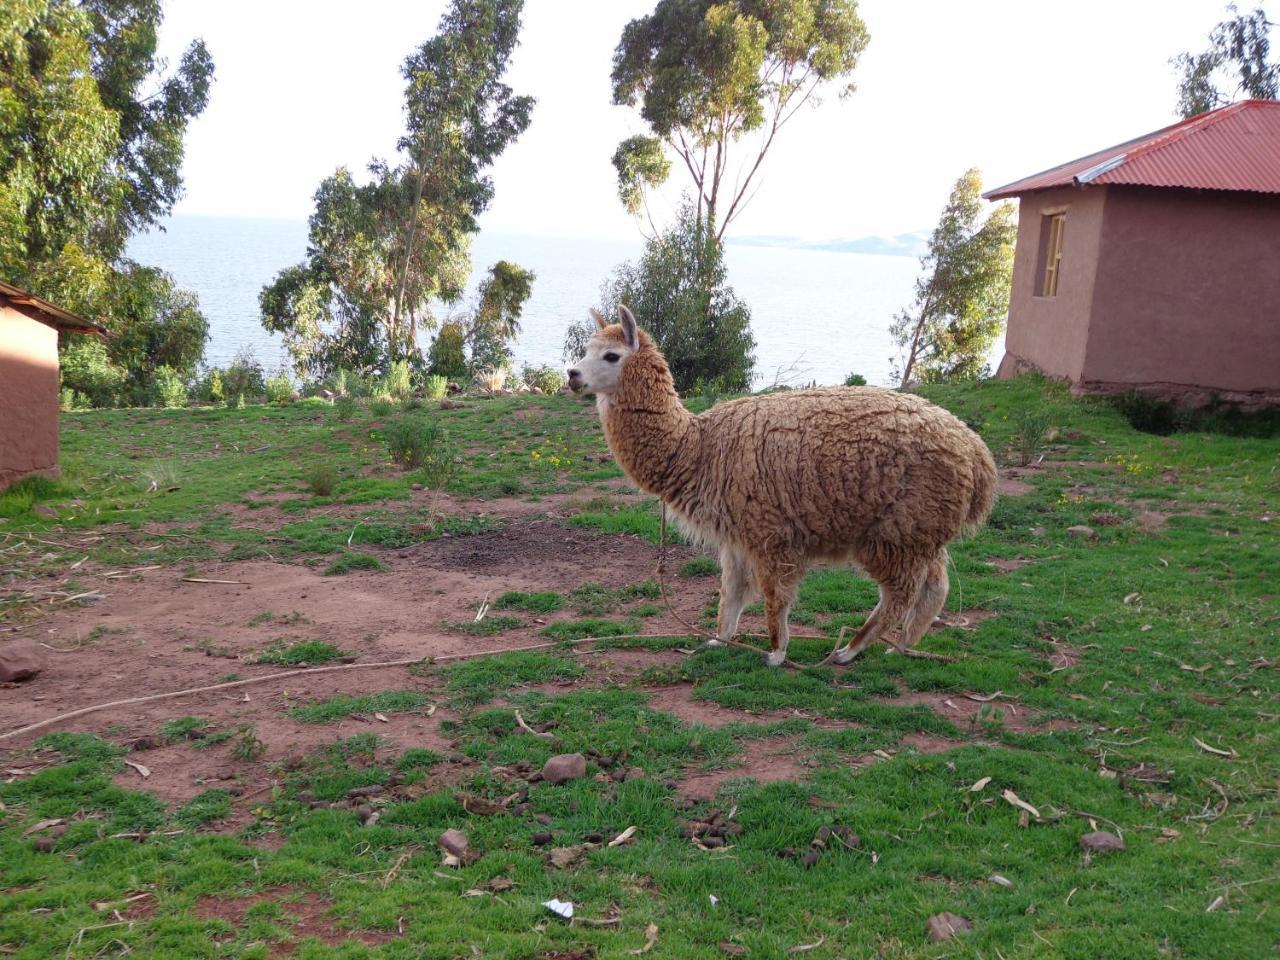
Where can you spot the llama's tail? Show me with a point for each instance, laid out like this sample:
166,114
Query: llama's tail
984,486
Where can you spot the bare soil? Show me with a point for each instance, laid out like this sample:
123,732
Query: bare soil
305,914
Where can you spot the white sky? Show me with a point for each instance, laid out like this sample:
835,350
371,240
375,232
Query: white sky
1009,86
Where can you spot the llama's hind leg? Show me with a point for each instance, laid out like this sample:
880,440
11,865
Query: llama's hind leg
735,593
927,604
778,583
895,597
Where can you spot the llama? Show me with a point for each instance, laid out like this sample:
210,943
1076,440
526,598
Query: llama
860,475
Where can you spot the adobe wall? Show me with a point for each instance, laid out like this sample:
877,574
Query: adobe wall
1187,296
1050,333
28,397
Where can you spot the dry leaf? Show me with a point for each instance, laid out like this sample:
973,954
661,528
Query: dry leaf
1190,669
1012,798
806,947
650,938
984,698
979,784
1133,598
1001,880
624,837
1222,753
1167,834
140,768
564,857
42,825
382,717
1217,902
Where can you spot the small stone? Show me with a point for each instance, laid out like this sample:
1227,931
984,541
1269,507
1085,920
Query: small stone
43,844
20,661
635,773
787,853
847,836
544,819
1101,842
541,839
944,926
593,837
1080,530
454,842
811,858
143,743
364,811
733,829
370,791
57,830
520,809
713,842
565,767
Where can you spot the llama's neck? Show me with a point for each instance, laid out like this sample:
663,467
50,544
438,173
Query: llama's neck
653,437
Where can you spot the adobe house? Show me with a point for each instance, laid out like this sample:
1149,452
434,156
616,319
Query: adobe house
1155,264
29,330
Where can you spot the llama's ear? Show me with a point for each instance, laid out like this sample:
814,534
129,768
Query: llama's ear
630,331
595,315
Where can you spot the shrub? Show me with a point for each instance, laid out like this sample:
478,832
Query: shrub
855,380
494,380
435,386
545,378
381,407
321,478
168,388
210,388
89,373
397,383
446,357
280,388
243,378
344,408
1032,428
412,440
352,561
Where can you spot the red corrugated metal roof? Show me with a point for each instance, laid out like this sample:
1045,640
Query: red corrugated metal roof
1236,147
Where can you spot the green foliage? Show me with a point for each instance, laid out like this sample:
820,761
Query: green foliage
489,626
542,602
962,297
321,478
700,567
242,378
344,408
496,319
1032,428
416,443
88,374
381,407
397,383
447,357
679,292
705,72
170,389
279,388
380,252
302,652
341,706
855,380
353,561
434,386
1238,54
546,378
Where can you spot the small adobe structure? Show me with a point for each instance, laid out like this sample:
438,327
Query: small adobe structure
1154,265
29,329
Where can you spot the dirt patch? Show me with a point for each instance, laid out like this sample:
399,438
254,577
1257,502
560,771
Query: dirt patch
1152,520
1008,565
964,619
679,700
1012,487
303,915
965,711
765,761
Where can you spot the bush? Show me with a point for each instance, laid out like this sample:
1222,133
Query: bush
492,381
321,478
169,390
280,388
679,293
397,383
411,440
545,378
381,407
855,380
344,408
447,358
1032,428
243,379
435,387
89,373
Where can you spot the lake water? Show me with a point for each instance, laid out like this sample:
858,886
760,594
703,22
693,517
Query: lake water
819,315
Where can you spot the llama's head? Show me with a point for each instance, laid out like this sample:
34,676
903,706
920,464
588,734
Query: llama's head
599,371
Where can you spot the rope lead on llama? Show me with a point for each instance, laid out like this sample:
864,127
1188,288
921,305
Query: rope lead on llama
861,475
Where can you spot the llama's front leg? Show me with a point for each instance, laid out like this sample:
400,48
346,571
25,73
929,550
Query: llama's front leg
735,592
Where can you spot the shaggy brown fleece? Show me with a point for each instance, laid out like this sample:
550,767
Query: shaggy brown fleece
857,474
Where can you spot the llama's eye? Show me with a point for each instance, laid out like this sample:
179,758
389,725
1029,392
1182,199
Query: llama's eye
611,357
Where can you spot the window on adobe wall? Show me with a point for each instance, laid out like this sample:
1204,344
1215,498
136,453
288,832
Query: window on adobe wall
1049,262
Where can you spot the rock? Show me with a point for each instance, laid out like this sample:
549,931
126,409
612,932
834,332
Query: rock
593,837
1080,530
43,844
635,773
541,839
454,842
564,857
19,662
811,858
1101,842
565,767
944,926
370,791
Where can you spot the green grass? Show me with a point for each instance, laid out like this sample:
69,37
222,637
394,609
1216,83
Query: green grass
353,561
488,626
301,652
1118,654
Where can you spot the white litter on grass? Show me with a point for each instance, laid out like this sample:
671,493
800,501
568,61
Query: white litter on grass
714,899
559,908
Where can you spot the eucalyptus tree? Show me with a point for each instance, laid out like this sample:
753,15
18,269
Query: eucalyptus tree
1235,65
380,252
705,73
962,296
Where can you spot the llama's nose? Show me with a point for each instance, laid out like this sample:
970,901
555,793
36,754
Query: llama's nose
575,378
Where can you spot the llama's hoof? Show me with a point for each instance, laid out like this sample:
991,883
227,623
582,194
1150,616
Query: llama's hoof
775,658
844,655
714,643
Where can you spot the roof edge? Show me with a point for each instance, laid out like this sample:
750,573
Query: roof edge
42,311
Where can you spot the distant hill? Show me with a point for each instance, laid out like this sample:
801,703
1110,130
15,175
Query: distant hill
901,245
